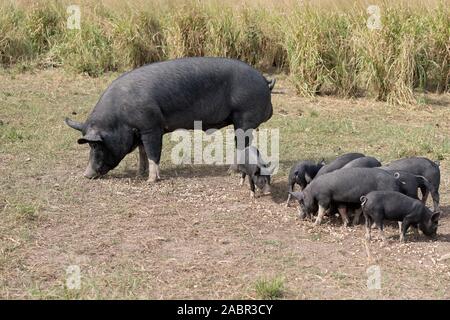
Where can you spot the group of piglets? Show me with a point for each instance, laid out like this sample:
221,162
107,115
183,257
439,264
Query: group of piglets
355,183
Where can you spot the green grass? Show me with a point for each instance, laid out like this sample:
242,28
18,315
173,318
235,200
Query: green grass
26,212
270,288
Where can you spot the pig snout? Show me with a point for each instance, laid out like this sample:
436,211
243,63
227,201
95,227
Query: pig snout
90,173
266,189
301,214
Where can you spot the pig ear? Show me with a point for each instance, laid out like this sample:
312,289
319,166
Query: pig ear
308,178
435,216
90,137
266,169
298,195
270,167
74,124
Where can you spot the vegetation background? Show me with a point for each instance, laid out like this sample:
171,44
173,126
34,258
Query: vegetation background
325,47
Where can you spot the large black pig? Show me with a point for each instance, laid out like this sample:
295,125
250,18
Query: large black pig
140,106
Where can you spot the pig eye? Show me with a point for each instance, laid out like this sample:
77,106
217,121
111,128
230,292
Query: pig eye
93,145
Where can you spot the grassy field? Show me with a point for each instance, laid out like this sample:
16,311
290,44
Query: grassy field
196,234
325,46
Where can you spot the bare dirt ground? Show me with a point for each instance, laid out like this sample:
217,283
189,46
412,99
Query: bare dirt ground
196,234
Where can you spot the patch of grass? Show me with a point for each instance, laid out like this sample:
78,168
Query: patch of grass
317,236
27,212
11,134
271,242
270,288
313,114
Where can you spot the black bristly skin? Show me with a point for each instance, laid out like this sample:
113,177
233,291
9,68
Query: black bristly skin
410,185
363,162
420,166
161,97
395,206
345,186
302,173
338,163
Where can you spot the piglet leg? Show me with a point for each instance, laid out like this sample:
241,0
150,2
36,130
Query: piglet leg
343,212
320,215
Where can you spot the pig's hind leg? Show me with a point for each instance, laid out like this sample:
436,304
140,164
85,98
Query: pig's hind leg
368,223
425,194
379,223
343,212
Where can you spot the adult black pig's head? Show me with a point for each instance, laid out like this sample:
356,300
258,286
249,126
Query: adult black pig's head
108,147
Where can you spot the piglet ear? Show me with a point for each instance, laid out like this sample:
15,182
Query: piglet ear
435,216
298,195
91,136
308,178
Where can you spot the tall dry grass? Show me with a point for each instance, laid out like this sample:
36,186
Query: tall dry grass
325,46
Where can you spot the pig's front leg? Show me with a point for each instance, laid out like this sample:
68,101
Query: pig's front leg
252,188
152,144
368,228
425,194
383,237
143,163
416,231
241,181
291,189
320,215
405,227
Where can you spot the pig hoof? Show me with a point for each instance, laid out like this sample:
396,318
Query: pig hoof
142,174
252,195
153,179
